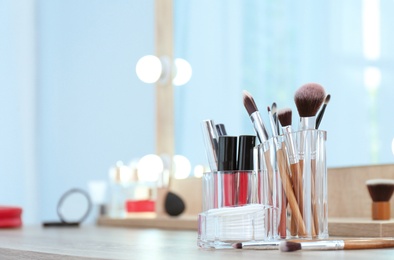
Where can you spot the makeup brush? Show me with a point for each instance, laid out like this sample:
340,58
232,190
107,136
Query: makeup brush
272,122
380,191
266,245
255,116
275,116
345,244
322,110
308,99
210,136
285,119
221,129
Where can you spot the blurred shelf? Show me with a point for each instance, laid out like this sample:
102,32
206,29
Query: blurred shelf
151,220
360,227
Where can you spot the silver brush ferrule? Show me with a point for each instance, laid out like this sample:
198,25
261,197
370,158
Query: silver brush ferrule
323,245
307,123
290,145
259,127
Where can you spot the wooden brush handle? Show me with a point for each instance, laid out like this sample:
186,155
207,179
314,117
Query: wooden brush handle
315,219
368,243
286,181
298,186
270,170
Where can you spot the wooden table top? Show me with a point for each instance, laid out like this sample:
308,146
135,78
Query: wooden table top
92,242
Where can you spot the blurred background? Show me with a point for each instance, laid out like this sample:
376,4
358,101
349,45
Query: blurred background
71,104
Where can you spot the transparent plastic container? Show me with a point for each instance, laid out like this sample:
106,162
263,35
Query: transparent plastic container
232,210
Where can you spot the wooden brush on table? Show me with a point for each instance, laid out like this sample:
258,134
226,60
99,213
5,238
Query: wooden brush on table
337,244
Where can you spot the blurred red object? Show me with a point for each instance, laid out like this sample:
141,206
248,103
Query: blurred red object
140,206
10,217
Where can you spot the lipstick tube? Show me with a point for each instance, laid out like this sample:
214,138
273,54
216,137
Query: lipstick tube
227,163
245,164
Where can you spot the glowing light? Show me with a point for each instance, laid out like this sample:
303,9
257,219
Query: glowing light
182,167
149,69
372,78
183,72
199,171
149,168
97,191
371,29
392,146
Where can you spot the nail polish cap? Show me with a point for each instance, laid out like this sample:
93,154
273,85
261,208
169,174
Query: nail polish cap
227,153
245,152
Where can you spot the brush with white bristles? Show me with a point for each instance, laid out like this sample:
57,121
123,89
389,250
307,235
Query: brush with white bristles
308,99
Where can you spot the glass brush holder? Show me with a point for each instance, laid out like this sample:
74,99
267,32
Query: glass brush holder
284,197
299,196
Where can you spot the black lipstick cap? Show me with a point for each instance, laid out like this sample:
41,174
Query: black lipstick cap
227,153
245,152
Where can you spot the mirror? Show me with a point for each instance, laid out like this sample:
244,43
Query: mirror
271,48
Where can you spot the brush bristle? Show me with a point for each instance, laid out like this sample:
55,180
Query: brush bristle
380,189
327,99
284,116
274,107
249,103
309,98
237,245
288,246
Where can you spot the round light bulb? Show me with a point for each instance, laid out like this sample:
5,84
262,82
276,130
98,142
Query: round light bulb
149,69
199,171
372,78
182,167
392,146
183,72
149,168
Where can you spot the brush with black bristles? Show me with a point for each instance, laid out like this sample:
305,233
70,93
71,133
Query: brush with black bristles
264,245
275,116
255,116
344,244
380,191
272,122
322,110
285,119
308,99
